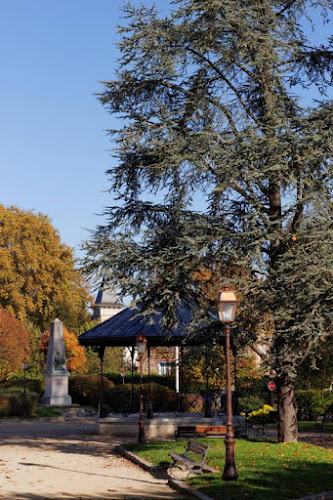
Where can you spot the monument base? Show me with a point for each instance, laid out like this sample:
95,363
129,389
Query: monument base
56,401
56,390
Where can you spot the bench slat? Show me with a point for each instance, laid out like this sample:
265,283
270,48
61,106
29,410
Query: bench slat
198,450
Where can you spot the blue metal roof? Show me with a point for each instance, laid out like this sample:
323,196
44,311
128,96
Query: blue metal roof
123,328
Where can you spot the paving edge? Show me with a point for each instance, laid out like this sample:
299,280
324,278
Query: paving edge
136,460
176,484
182,487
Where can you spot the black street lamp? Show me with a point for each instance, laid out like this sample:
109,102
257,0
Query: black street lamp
25,367
141,344
227,304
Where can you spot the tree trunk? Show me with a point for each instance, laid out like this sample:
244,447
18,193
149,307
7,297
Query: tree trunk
287,408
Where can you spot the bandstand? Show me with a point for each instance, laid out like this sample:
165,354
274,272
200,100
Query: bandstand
122,330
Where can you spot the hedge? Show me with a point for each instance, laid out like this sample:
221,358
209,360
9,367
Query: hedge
86,389
18,405
118,399
15,385
165,380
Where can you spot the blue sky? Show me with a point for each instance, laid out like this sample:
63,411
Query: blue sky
54,149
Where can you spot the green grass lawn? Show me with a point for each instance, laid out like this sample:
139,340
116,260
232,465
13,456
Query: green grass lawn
46,411
267,471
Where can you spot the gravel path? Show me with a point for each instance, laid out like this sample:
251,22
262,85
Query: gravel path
42,460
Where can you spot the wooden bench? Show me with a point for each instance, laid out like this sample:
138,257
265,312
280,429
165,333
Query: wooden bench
211,430
193,451
185,431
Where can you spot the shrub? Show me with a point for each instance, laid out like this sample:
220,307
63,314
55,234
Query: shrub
4,406
248,404
15,385
165,380
86,389
254,387
23,405
119,398
18,405
313,403
164,399
263,415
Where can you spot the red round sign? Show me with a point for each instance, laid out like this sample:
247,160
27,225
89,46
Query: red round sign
271,386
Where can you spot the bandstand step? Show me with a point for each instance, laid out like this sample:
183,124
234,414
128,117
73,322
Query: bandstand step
201,430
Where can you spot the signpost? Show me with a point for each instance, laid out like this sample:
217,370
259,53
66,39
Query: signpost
271,386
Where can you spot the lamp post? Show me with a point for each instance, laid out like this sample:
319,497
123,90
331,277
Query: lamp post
141,344
122,372
25,366
227,304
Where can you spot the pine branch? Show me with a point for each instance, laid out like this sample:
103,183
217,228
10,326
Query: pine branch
227,81
251,198
285,8
218,104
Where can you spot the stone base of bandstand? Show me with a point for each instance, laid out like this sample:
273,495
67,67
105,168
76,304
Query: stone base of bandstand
158,428
56,390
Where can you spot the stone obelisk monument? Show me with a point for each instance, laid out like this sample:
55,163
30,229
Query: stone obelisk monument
56,374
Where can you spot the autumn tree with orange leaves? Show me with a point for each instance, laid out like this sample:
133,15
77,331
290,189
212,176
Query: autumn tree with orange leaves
38,278
14,344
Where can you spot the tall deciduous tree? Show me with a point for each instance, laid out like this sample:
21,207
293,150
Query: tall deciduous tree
14,344
38,279
214,119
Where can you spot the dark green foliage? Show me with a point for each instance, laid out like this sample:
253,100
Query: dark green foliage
18,405
4,406
35,385
317,371
119,398
250,403
255,387
221,167
165,380
86,389
312,404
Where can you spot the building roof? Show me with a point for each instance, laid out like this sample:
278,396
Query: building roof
107,296
123,328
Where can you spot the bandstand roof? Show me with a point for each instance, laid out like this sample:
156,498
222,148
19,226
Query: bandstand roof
123,328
